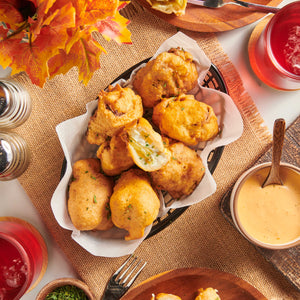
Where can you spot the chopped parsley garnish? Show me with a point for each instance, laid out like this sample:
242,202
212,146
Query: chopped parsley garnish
67,292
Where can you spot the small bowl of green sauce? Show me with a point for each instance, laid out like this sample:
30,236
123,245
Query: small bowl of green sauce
65,288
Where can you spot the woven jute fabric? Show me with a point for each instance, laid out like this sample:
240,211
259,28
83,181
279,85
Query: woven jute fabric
200,237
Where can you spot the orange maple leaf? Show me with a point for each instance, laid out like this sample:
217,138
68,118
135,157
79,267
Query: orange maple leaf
6,45
115,28
34,54
83,53
32,61
49,37
10,14
57,17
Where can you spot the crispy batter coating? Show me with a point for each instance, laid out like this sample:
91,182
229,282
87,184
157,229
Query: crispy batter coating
146,146
134,204
89,196
164,296
116,108
207,294
169,74
185,119
168,7
182,174
114,156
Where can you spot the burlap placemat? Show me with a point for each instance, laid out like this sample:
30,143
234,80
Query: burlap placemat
201,237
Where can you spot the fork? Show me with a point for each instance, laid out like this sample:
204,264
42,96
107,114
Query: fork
117,286
220,3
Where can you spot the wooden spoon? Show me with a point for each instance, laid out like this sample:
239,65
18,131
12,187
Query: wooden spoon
278,137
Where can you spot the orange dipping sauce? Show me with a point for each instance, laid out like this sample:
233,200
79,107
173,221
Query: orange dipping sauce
271,214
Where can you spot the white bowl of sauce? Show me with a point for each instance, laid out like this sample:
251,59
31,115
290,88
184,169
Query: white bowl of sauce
268,217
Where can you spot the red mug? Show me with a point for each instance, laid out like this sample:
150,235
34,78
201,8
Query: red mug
23,257
275,55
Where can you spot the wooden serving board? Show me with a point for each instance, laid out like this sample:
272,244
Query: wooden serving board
202,19
286,261
185,283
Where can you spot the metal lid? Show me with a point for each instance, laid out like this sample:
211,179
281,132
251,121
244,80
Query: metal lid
4,99
6,155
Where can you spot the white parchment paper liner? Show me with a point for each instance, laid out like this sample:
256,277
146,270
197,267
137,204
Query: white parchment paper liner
71,134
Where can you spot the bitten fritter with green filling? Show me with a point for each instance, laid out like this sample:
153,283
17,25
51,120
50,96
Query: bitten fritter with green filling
114,156
145,145
185,119
89,193
169,74
134,204
182,174
116,107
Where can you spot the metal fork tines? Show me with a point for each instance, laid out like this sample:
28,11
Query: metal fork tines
220,3
122,280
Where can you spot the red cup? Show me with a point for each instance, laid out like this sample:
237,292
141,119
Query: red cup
275,54
23,258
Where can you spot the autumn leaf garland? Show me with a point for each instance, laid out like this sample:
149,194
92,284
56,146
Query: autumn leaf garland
49,37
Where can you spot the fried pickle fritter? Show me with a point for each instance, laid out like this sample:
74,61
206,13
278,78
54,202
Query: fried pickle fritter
114,156
169,74
203,294
89,196
185,119
134,204
207,294
182,174
116,108
146,146
168,7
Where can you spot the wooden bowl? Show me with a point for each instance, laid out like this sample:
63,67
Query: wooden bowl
184,283
48,288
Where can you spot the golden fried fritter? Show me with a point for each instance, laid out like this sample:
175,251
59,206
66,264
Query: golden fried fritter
182,174
204,294
168,7
89,196
116,108
134,204
146,146
169,74
207,294
185,119
114,156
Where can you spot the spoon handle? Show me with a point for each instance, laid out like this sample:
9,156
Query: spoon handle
278,138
